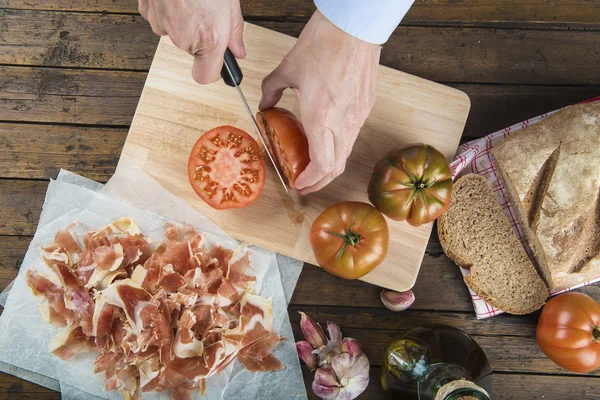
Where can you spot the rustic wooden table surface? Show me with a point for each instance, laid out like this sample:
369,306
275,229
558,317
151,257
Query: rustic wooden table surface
71,72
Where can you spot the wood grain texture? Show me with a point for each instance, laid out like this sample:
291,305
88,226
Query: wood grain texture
57,95
466,55
75,40
40,151
504,387
13,388
173,108
69,96
505,353
20,206
516,12
11,255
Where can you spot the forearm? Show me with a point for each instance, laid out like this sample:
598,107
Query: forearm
370,20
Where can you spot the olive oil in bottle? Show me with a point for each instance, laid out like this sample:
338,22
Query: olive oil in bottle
436,363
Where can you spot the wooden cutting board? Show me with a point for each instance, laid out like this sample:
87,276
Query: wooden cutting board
174,111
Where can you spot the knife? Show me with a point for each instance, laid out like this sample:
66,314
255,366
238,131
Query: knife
232,76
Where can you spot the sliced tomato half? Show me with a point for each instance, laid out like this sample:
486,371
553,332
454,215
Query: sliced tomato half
226,168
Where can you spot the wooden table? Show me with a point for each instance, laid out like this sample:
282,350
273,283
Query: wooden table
71,72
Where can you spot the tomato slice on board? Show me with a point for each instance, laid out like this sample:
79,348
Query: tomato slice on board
286,140
226,168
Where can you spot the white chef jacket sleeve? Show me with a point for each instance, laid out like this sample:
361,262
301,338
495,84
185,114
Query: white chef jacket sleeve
370,20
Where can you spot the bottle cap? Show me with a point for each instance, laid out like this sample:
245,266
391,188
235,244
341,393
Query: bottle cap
453,387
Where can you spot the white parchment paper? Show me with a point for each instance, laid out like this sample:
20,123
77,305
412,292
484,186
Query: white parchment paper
24,336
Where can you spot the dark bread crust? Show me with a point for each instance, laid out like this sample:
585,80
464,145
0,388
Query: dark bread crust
551,173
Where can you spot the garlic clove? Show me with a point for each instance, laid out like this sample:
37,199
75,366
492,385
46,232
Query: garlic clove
351,346
305,352
325,384
397,301
312,331
335,334
352,374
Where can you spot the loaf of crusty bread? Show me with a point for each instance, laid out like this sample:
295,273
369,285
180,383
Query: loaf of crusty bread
551,174
475,233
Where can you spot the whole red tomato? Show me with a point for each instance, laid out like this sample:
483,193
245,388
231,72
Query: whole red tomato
349,239
568,332
286,140
226,168
412,183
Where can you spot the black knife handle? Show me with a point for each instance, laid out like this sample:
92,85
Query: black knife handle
230,61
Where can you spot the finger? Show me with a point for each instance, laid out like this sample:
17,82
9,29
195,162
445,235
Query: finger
143,8
319,185
208,61
272,88
236,40
343,148
321,149
152,16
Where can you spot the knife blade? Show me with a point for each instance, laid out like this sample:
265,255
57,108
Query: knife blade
232,76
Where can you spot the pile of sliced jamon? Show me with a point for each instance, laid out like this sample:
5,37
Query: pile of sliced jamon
162,319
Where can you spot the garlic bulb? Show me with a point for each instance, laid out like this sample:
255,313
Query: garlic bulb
397,301
343,369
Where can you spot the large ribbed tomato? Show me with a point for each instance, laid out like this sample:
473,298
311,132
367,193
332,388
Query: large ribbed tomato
349,239
568,332
226,168
286,140
412,183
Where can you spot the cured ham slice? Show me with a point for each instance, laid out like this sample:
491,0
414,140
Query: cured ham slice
136,303
70,342
53,307
161,319
186,345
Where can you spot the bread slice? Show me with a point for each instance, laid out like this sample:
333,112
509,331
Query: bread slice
475,233
551,173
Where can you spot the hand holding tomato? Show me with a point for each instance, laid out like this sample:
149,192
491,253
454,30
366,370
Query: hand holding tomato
334,76
568,332
203,28
286,141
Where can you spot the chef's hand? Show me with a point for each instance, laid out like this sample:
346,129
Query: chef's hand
334,76
203,28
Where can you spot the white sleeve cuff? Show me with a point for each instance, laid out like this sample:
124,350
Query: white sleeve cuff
370,20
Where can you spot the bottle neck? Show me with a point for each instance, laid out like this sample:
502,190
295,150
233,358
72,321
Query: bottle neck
461,389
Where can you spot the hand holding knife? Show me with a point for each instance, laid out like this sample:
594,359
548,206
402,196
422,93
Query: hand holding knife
232,76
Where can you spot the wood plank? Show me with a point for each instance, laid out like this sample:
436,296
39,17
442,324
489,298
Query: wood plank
11,255
469,55
69,96
13,388
495,107
515,12
75,40
355,316
57,95
504,386
505,353
20,206
466,55
40,151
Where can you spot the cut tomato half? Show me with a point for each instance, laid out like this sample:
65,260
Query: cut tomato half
226,168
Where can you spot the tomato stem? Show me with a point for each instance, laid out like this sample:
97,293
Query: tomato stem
418,185
596,333
350,238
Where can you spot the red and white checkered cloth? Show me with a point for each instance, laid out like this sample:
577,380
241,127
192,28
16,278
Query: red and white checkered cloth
474,157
